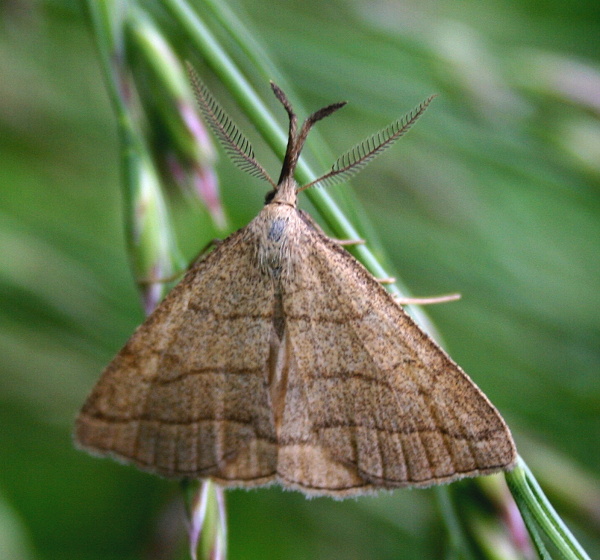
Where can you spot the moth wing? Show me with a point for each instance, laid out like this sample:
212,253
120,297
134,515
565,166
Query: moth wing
383,405
187,396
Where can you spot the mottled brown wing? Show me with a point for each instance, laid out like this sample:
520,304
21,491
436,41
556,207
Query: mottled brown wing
187,396
383,405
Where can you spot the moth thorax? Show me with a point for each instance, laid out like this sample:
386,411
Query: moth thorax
274,232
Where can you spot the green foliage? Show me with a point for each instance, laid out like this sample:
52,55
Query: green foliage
494,194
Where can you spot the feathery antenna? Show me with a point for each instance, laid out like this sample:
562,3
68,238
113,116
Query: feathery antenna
354,160
235,144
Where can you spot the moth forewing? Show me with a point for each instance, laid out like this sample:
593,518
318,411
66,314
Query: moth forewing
280,358
382,398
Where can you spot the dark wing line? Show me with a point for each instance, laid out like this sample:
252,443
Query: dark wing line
236,145
355,159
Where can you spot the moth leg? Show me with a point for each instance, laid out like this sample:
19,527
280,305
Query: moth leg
390,280
427,301
177,275
346,242
306,217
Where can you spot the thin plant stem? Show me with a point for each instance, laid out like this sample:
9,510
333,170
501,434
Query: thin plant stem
151,242
537,510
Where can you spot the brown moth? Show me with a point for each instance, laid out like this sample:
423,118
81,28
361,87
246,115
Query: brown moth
279,358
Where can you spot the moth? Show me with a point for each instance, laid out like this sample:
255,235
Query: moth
279,358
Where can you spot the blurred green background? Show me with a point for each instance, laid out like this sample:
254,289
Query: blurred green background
494,194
